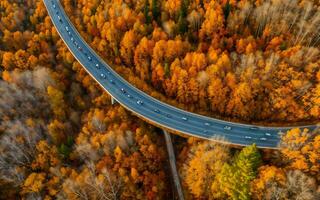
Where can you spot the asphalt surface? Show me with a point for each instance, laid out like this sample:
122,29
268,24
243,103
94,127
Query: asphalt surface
149,108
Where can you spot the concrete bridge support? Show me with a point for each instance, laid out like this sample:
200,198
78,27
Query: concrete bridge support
172,160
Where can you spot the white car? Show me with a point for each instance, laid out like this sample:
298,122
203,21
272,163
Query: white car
184,118
139,102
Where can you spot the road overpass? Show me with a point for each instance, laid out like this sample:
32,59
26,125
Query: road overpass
151,109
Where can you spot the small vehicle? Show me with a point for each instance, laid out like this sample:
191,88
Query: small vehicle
254,128
59,18
227,128
268,134
184,118
139,102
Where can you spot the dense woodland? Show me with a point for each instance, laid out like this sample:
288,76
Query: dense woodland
240,60
60,138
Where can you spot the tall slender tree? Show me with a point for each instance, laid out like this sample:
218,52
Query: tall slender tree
234,179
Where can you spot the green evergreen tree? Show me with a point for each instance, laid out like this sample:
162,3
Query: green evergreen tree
234,179
146,12
226,11
182,21
156,11
166,70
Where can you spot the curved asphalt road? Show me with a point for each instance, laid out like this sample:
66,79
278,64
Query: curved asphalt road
150,108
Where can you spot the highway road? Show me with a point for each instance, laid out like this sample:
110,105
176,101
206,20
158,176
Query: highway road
151,109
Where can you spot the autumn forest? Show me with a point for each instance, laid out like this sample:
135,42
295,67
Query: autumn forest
237,60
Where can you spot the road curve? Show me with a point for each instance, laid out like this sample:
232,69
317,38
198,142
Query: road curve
151,109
